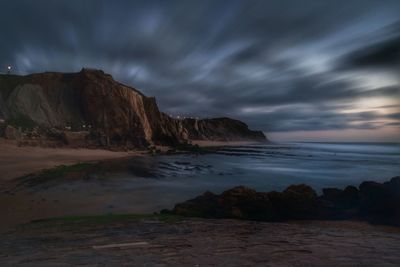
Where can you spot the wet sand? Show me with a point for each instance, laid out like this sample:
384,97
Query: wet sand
200,242
65,197
28,204
191,242
203,143
18,161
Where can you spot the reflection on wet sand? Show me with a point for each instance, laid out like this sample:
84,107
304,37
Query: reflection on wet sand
151,183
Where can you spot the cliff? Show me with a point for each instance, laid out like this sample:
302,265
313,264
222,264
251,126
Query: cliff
92,107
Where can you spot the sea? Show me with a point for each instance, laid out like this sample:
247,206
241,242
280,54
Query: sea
156,182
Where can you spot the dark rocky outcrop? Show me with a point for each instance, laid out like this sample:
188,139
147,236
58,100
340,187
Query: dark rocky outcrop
380,202
295,202
372,201
239,202
219,129
111,113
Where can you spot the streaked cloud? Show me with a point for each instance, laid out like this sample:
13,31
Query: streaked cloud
282,66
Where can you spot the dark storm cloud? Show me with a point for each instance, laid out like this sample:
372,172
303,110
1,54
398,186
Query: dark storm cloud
272,63
385,54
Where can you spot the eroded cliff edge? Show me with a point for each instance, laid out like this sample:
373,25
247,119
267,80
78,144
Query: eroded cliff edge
90,108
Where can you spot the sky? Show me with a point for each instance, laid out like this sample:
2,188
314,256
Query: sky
298,70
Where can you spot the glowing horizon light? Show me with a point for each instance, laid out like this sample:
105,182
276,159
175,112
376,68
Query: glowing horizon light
381,104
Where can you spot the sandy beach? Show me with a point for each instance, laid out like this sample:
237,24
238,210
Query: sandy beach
17,161
67,199
193,242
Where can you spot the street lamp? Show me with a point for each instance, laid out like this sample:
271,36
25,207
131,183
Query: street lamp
8,69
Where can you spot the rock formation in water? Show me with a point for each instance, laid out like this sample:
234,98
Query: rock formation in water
371,201
91,108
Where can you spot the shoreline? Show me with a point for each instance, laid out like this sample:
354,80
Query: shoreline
17,161
87,190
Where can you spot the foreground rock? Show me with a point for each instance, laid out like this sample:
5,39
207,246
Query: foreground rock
90,108
374,202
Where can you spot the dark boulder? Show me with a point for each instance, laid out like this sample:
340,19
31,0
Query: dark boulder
339,204
381,202
296,202
347,198
373,197
350,198
239,202
245,203
204,206
331,194
393,186
375,202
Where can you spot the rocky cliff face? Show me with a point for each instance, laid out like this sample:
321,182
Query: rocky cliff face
109,112
219,129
